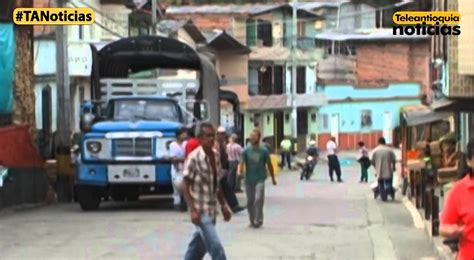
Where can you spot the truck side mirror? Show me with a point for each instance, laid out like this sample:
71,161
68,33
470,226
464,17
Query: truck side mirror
204,108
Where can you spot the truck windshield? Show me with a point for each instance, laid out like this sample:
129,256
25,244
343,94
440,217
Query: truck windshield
145,109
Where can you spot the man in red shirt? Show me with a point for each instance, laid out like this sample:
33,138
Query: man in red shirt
457,217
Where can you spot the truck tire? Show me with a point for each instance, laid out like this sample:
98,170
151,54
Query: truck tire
89,197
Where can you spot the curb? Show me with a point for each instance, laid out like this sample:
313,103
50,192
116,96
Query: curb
21,208
442,251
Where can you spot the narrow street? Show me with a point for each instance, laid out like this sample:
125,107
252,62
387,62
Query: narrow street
303,220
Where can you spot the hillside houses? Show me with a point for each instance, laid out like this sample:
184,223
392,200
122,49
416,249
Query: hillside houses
251,47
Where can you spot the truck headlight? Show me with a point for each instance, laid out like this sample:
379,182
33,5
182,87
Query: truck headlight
94,147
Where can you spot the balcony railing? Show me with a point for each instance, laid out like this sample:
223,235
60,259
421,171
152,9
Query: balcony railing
257,90
233,81
303,43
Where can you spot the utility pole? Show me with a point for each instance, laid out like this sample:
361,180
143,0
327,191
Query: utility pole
294,127
153,17
64,111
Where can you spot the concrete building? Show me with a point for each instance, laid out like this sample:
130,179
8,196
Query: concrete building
366,93
111,23
266,30
453,70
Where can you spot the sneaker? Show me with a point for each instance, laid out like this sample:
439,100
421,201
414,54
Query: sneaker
259,225
339,180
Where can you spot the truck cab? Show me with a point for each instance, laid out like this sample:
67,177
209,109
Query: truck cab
122,152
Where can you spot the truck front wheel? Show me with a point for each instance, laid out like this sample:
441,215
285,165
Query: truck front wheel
89,197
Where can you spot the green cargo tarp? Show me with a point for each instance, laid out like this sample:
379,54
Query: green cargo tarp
7,66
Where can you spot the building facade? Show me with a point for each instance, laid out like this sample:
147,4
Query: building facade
453,70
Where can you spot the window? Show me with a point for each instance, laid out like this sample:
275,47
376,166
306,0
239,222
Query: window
142,109
325,121
81,95
302,122
301,80
301,29
366,119
46,111
278,79
81,32
264,33
251,33
268,120
266,81
313,117
287,117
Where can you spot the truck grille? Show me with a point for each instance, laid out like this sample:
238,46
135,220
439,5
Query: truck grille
136,147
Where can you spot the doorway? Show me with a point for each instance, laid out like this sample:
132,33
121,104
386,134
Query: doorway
278,125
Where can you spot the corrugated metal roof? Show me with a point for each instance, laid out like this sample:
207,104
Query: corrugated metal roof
223,9
310,6
168,26
378,34
219,39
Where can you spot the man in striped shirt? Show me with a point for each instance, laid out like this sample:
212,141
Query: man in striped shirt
234,152
202,174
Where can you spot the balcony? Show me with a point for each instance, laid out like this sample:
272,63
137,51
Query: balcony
280,102
304,43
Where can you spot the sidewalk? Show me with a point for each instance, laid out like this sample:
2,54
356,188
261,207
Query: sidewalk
443,252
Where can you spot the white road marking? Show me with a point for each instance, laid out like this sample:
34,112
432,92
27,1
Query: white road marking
417,219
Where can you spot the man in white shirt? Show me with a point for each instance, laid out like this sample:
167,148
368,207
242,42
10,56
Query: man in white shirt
333,160
177,153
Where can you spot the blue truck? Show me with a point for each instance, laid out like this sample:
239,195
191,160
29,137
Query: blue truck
122,152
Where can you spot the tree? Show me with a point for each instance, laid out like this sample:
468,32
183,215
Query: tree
23,88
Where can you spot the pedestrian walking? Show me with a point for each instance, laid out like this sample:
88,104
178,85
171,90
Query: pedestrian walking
333,160
285,147
364,161
384,162
234,153
202,174
229,193
255,163
457,217
177,153
192,144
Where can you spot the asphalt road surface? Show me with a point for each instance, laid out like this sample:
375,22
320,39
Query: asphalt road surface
303,220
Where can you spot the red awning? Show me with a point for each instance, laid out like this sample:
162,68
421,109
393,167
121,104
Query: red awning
17,149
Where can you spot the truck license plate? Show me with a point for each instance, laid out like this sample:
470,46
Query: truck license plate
131,173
